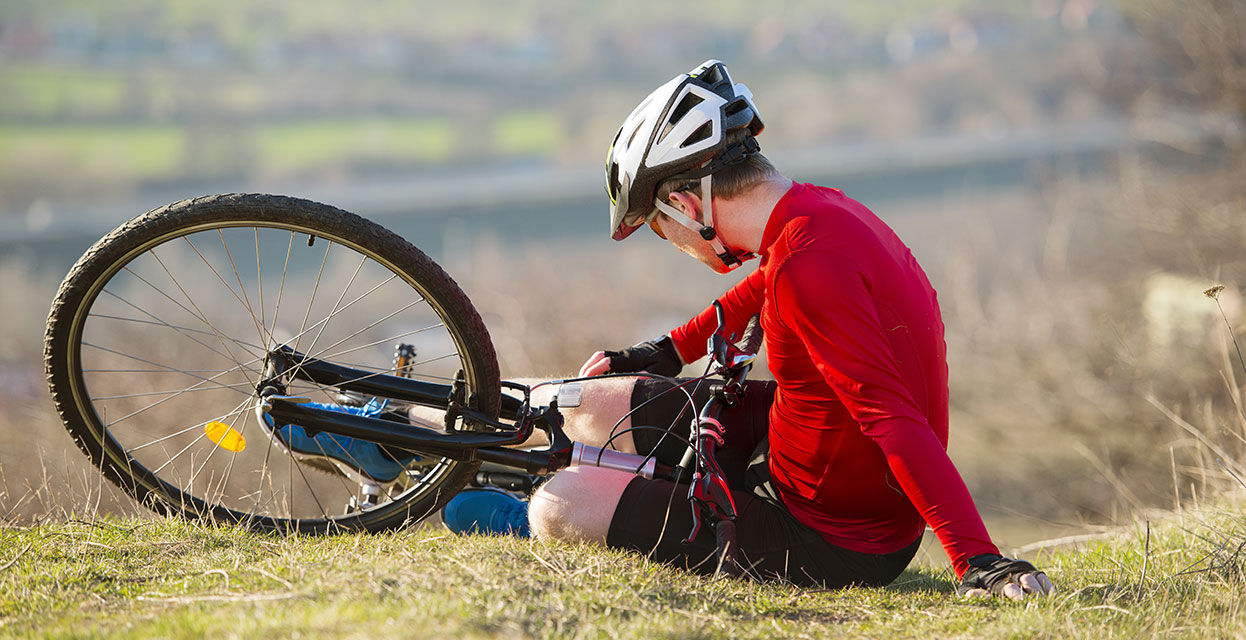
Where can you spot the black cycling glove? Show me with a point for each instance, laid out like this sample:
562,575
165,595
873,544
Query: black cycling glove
655,356
991,572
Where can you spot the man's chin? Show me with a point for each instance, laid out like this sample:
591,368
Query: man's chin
716,265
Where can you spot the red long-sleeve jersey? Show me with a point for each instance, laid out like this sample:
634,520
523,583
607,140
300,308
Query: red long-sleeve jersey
854,338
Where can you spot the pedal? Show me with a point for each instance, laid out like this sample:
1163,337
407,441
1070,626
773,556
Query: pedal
404,359
369,495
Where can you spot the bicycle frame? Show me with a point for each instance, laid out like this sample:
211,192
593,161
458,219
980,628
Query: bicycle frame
708,491
454,442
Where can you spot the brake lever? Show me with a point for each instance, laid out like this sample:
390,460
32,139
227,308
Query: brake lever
709,491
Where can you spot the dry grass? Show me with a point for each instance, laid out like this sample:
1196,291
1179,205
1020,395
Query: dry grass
164,578
1066,357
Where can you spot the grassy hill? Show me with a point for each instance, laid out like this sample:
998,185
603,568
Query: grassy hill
161,578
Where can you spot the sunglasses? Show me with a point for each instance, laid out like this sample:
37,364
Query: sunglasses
653,224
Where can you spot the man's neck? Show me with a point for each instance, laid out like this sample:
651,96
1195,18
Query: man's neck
742,220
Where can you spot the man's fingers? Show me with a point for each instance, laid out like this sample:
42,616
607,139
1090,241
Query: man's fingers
1013,590
1030,584
977,593
1048,587
597,364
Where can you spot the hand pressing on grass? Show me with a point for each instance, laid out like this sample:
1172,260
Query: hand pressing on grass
990,574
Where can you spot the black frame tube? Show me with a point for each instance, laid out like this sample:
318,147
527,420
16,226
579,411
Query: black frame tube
428,394
458,445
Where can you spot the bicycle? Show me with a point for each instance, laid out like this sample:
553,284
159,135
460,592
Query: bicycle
149,374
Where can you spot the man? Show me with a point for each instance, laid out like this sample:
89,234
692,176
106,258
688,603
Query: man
839,464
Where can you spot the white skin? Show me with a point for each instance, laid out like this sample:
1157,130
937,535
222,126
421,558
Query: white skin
577,504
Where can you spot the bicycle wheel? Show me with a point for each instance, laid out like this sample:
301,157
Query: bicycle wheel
156,342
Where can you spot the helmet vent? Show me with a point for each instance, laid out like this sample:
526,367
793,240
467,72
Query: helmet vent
690,100
632,138
736,107
703,132
712,75
685,105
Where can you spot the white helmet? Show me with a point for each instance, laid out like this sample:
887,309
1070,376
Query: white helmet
679,131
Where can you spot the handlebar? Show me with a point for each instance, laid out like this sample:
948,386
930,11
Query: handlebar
708,490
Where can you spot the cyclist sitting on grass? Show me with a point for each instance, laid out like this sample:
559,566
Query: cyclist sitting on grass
839,464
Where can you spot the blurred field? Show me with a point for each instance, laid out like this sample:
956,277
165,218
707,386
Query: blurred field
1091,379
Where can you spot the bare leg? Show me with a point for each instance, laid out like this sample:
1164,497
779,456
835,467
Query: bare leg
602,403
577,504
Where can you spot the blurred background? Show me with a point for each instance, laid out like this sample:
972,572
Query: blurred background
1069,172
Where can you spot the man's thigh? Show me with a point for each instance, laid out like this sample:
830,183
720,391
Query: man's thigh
652,517
601,413
661,409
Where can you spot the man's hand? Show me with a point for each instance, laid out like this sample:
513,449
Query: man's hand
993,574
654,356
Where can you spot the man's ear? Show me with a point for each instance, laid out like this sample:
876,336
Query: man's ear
688,203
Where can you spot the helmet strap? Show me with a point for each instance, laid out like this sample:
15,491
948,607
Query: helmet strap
729,258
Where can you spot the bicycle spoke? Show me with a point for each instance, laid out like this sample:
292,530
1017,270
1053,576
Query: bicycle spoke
164,400
381,341
373,324
220,336
195,474
323,321
216,334
337,304
241,408
161,323
245,304
177,455
315,498
164,368
259,326
281,288
246,385
259,282
315,290
264,474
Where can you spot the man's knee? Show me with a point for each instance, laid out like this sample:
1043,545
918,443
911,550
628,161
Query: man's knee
577,504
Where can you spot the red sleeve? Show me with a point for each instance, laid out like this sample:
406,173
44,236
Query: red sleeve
842,332
740,303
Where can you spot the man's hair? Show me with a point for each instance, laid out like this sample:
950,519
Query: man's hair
730,181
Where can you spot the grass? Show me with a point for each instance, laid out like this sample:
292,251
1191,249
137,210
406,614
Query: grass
527,133
140,151
305,144
169,578
128,153
50,91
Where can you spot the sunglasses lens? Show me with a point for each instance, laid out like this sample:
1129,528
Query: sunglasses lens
653,224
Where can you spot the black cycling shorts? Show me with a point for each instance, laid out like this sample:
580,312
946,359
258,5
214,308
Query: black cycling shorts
653,516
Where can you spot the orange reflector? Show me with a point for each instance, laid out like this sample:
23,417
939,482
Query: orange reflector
225,436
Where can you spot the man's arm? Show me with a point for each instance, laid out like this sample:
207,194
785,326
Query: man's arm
826,298
666,355
740,303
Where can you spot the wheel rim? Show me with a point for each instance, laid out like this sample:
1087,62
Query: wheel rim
160,372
